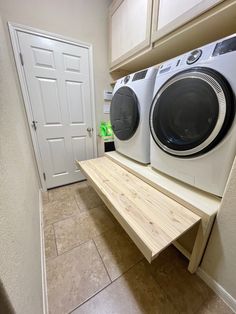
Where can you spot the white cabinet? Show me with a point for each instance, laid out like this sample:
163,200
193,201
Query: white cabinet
147,32
130,28
168,15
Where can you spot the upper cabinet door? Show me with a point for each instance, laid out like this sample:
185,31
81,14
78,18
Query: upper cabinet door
130,28
168,15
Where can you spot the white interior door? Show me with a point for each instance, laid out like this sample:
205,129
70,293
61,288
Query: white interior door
58,80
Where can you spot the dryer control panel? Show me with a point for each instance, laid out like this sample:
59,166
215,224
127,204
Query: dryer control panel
145,74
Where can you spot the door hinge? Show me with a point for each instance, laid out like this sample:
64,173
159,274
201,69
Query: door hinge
21,59
44,176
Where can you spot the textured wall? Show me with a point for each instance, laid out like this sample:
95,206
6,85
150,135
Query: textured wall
86,21
20,260
220,258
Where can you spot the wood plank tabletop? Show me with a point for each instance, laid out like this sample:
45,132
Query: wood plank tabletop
200,202
152,219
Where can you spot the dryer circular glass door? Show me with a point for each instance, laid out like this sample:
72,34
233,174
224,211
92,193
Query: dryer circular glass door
124,113
191,112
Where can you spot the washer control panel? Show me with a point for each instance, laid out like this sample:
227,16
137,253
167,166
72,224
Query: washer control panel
184,60
126,79
199,56
194,56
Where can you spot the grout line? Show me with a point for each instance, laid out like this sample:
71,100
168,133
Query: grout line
92,296
88,209
126,271
89,298
74,247
77,205
79,244
55,240
102,261
62,219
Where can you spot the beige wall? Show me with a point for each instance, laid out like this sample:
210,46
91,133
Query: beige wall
20,260
219,261
84,20
20,269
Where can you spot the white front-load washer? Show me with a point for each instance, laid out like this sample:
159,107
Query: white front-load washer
129,114
192,117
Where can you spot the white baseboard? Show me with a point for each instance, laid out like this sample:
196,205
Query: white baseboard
218,289
43,261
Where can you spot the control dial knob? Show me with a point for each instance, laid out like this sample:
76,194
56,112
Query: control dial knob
126,79
194,56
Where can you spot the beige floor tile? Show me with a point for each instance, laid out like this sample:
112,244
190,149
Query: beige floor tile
74,277
134,293
58,210
87,198
60,194
82,227
45,197
169,259
50,242
214,305
118,251
187,292
79,187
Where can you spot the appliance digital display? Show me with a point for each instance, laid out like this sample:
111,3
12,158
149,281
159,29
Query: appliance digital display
139,75
225,46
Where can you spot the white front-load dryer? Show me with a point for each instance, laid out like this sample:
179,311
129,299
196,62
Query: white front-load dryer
129,114
192,117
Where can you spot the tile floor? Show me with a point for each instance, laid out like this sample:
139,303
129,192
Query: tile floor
94,268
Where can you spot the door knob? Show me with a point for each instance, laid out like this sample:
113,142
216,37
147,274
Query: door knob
90,130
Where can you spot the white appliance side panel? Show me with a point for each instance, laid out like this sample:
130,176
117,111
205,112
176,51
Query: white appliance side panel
208,172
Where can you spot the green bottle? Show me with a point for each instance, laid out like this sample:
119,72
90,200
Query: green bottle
109,130
102,129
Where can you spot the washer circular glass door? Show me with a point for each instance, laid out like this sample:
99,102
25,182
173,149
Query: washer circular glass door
191,112
124,113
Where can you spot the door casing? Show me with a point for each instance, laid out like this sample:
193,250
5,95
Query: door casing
13,28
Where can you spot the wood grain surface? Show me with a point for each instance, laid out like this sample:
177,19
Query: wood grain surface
152,219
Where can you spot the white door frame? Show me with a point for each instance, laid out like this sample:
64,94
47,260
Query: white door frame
13,28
